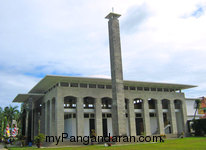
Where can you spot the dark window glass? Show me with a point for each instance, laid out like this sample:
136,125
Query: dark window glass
146,89
64,84
166,90
152,114
91,115
153,89
138,115
92,85
132,88
100,86
83,85
109,115
86,115
74,85
108,86
159,89
103,115
139,88
126,87
172,90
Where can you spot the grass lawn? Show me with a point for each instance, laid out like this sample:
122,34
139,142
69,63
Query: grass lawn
190,143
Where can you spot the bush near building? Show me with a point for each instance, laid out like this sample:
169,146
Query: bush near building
199,126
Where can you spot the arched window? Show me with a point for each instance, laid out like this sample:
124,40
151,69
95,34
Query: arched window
152,103
177,104
138,103
89,103
70,102
106,103
165,104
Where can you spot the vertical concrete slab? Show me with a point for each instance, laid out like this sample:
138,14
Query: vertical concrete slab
184,115
131,118
35,122
98,117
80,117
146,117
59,111
173,116
42,120
31,107
51,127
118,104
46,120
160,117
27,123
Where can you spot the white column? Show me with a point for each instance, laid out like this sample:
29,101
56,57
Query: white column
160,117
98,117
46,121
184,115
51,129
26,123
173,117
59,113
131,117
80,117
146,118
42,120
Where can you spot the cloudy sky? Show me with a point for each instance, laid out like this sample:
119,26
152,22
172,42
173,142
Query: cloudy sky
162,41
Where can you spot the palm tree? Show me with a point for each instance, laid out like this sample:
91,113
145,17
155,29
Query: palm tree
10,113
197,106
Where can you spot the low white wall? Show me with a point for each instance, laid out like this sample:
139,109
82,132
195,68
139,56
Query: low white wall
70,126
86,126
153,124
109,126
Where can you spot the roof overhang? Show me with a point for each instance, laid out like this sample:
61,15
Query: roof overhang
20,98
51,80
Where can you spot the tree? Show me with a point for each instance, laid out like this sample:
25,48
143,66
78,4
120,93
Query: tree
10,113
197,106
1,123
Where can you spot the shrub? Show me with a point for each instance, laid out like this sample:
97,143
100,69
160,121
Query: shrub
199,126
39,139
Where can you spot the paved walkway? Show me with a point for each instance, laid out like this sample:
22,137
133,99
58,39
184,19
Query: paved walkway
2,147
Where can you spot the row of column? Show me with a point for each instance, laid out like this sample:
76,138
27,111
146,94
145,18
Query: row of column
159,113
131,117
53,117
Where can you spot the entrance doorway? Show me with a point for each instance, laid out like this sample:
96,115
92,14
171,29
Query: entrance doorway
139,126
91,126
104,125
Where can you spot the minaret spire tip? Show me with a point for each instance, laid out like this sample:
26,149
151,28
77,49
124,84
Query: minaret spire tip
112,15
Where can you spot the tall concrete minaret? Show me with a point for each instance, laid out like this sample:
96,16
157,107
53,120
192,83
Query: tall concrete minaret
118,102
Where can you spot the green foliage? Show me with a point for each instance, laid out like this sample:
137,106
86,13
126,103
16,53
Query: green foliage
6,116
199,126
197,106
194,143
39,139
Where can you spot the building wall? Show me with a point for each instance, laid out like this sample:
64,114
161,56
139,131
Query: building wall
191,109
53,126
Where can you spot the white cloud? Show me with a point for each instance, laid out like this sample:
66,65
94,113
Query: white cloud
161,41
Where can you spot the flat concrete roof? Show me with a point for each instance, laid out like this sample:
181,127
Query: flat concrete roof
23,97
50,80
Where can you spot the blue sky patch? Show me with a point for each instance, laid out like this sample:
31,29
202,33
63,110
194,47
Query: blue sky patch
199,12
